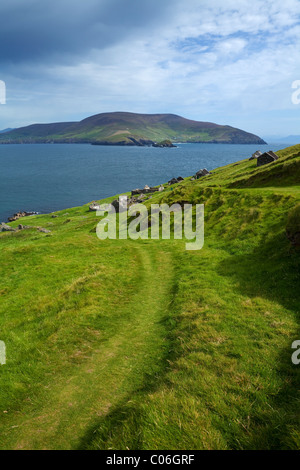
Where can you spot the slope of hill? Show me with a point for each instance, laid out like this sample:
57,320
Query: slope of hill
291,139
124,344
122,128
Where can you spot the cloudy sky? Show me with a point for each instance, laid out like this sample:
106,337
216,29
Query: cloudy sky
230,62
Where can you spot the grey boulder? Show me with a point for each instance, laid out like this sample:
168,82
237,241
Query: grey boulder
6,228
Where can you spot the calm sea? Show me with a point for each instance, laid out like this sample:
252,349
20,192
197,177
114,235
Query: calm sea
49,177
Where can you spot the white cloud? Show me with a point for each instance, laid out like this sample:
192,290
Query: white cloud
211,59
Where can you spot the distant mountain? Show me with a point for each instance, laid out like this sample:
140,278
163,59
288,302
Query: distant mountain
122,128
291,139
6,130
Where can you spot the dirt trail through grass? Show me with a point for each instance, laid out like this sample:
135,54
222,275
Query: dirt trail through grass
118,367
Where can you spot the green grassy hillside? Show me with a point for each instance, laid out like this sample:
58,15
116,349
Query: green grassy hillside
123,344
130,129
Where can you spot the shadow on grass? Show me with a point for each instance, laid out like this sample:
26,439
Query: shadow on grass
272,272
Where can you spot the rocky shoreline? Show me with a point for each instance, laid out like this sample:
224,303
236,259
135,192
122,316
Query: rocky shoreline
134,193
20,214
137,143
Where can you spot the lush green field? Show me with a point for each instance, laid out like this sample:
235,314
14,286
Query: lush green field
127,344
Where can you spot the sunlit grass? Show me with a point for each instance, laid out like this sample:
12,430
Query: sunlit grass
126,344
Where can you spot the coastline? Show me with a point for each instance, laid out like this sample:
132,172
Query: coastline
42,178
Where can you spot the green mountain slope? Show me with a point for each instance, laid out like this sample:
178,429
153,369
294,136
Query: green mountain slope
130,129
124,344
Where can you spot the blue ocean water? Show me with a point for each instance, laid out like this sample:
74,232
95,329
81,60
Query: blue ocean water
49,177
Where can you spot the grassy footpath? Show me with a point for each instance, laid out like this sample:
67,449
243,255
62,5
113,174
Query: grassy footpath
143,345
112,349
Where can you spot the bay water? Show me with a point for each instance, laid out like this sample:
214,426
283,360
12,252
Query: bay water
50,177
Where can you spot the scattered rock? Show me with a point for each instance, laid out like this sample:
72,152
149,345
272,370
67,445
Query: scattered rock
120,204
201,173
135,192
6,228
20,214
132,200
146,190
54,216
116,205
173,181
94,207
136,200
151,190
43,230
163,144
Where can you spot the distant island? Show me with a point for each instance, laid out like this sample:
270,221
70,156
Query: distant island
130,129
